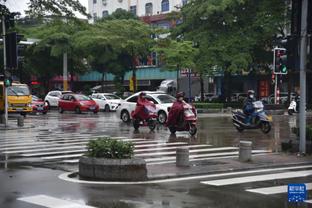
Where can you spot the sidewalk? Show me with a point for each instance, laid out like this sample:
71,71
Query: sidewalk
166,171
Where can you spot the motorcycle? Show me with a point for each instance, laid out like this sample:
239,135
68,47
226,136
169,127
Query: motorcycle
293,106
260,120
145,116
187,123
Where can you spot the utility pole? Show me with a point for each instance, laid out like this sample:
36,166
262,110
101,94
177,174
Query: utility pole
4,72
65,73
303,71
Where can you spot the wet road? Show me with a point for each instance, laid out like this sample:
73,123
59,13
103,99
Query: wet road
19,179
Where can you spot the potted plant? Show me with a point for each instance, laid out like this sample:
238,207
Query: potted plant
111,160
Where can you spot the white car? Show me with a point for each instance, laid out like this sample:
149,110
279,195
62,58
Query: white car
162,101
106,101
52,98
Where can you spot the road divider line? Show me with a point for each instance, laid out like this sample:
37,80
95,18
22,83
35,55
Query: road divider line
257,178
51,202
275,189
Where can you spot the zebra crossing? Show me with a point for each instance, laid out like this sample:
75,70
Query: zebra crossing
250,180
66,149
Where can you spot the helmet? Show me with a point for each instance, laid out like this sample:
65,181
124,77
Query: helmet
251,93
180,94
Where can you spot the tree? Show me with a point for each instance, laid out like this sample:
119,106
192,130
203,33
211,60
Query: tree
55,40
39,8
176,55
113,46
231,33
120,14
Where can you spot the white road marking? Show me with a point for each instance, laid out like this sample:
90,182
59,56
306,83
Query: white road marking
308,201
169,148
275,189
191,151
79,149
267,177
46,148
203,155
160,144
206,158
52,202
65,176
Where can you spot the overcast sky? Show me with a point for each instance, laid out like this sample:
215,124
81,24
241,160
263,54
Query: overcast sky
21,5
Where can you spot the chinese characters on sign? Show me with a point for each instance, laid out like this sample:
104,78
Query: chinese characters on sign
297,192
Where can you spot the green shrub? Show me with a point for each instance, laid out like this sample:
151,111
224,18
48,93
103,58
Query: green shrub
209,105
110,148
296,131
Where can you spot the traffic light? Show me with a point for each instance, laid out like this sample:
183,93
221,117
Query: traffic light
280,61
7,79
11,50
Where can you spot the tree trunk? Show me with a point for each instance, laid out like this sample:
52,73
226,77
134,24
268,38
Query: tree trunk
202,91
227,86
102,82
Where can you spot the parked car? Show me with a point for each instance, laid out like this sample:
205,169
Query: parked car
78,103
106,101
208,97
238,97
38,105
162,101
53,97
283,98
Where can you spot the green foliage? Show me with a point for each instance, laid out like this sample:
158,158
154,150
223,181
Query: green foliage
59,8
110,148
208,105
232,34
176,54
120,14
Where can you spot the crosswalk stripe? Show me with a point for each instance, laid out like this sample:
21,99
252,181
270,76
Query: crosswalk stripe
81,150
191,151
52,202
275,189
257,178
308,201
205,158
204,155
169,148
49,144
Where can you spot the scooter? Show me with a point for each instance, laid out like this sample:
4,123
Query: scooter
293,107
146,117
260,120
187,123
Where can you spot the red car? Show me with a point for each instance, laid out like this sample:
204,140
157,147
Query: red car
78,103
38,105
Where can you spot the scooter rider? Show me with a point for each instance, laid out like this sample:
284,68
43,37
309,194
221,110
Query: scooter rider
176,112
248,108
141,102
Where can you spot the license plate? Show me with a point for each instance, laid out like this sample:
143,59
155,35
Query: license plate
92,108
40,109
19,109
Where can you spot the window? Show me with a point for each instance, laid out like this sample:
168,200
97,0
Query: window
133,99
94,16
105,13
184,2
133,10
165,5
148,9
104,2
94,1
149,98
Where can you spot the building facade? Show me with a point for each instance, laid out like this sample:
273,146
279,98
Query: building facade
141,8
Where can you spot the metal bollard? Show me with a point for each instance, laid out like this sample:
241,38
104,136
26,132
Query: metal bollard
183,157
245,151
20,121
